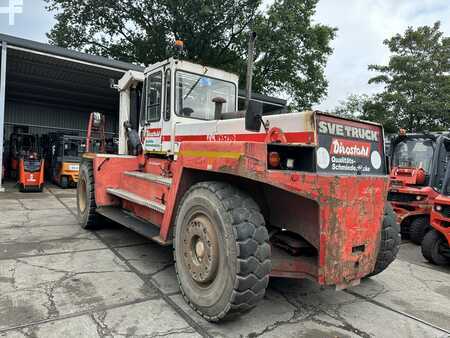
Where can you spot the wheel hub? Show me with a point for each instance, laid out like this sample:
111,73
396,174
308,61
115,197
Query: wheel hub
200,249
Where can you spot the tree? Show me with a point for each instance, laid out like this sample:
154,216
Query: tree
353,107
291,50
369,108
417,83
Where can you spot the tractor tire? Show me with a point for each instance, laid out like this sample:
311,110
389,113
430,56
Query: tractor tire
21,187
64,182
389,243
86,206
418,229
431,243
221,249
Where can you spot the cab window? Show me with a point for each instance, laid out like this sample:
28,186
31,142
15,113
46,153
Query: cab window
154,95
167,81
194,95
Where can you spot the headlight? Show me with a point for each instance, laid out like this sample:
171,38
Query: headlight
438,207
419,197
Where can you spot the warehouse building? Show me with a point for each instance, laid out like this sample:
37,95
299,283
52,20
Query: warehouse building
44,88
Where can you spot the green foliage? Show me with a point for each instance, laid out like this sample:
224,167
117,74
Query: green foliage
417,83
291,50
353,106
369,108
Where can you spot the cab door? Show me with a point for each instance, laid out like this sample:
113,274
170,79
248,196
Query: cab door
151,117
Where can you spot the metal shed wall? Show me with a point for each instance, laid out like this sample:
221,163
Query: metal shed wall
50,118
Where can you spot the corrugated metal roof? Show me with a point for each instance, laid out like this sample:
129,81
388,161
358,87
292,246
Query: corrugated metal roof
88,58
38,78
68,53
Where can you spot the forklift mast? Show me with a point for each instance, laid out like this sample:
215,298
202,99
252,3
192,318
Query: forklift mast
96,133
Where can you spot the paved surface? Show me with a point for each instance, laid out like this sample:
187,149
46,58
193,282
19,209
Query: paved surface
57,280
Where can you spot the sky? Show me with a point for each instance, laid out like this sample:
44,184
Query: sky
362,27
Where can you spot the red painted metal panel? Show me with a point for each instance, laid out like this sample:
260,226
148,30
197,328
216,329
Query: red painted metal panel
405,210
350,207
107,173
144,213
438,220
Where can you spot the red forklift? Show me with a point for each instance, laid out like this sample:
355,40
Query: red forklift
240,196
418,164
436,244
26,162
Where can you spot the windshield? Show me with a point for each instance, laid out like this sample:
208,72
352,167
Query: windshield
72,148
194,95
414,153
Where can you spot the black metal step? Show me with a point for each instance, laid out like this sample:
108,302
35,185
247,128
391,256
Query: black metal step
142,227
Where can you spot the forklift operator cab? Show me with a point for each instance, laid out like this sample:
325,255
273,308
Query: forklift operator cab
65,158
178,97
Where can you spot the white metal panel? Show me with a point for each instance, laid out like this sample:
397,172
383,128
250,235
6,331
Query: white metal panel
2,105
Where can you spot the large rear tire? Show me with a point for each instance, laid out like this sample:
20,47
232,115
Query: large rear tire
86,206
221,250
390,241
431,245
418,229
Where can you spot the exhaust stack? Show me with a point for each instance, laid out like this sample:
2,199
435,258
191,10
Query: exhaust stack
249,78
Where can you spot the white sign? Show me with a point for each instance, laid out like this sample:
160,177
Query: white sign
74,167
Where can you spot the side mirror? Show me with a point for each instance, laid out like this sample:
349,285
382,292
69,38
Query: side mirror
253,116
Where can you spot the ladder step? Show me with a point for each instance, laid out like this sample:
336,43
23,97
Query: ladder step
142,227
150,177
129,196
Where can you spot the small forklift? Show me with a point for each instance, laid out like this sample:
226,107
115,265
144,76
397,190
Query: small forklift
64,159
418,164
436,243
26,162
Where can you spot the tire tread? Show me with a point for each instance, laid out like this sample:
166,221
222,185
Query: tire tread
253,249
92,218
389,242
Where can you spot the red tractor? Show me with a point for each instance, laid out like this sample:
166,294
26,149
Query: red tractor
418,166
241,196
436,244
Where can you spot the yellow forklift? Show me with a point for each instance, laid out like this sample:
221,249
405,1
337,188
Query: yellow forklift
64,161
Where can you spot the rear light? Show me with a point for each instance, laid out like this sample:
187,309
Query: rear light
274,159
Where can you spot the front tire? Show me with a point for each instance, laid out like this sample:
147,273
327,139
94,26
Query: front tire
221,250
64,182
431,245
418,229
86,206
389,242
